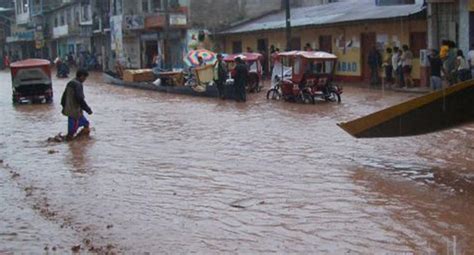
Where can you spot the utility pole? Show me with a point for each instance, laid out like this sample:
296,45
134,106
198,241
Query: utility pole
288,25
166,33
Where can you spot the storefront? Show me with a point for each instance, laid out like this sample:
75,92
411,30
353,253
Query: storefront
351,41
21,45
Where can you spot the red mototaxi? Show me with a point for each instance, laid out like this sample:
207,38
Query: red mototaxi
253,61
312,71
31,81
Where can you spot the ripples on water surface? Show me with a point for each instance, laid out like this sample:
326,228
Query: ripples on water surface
175,174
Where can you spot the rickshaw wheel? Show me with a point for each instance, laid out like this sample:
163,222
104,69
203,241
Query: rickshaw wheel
307,98
253,84
333,97
273,94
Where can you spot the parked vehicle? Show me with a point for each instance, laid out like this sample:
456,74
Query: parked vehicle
253,61
311,77
31,81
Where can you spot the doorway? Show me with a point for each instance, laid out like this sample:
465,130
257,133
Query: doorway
367,42
262,48
471,30
325,43
151,49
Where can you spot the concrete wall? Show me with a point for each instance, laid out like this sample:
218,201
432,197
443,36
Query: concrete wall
464,26
350,58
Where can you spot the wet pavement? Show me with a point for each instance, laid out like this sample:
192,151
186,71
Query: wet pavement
175,175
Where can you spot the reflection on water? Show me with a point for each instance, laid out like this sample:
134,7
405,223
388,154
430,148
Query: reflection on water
168,173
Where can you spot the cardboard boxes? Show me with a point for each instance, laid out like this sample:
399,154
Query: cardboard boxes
140,75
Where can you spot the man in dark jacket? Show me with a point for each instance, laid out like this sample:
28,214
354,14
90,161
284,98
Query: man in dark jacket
375,62
220,75
241,74
73,102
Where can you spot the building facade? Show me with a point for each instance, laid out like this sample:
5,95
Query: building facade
348,29
451,20
142,29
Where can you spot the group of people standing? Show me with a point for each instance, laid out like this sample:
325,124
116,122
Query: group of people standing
450,63
397,63
240,75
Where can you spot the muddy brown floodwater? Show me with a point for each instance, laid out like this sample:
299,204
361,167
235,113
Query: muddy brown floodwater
174,175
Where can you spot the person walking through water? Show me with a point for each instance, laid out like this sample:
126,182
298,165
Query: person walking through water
241,73
220,75
74,103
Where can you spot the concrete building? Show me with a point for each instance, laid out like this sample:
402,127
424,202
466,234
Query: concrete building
451,20
139,31
70,28
349,29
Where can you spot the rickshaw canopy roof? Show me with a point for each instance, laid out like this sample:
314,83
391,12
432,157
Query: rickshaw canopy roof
33,62
314,55
246,56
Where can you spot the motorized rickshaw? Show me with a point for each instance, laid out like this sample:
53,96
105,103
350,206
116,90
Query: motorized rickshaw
311,77
31,81
253,61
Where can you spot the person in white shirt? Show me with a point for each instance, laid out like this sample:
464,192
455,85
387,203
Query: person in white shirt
470,59
462,67
395,61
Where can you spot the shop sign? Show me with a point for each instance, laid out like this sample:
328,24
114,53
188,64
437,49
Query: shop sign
22,36
39,39
178,20
134,22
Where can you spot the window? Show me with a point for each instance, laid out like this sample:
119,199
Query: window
325,43
61,19
77,17
145,8
69,17
25,6
117,7
85,10
18,6
156,5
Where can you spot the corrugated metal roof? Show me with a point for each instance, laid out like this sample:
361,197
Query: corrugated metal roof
343,11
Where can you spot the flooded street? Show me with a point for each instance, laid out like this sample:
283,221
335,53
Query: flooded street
173,174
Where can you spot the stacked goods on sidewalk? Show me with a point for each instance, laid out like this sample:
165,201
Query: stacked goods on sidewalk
139,75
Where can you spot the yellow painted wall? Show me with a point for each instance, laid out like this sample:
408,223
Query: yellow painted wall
396,33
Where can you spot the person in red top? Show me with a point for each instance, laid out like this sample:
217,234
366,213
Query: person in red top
6,61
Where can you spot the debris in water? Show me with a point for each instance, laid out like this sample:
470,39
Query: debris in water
29,191
59,138
76,248
110,226
54,248
52,151
245,203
